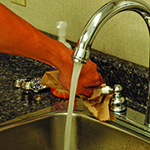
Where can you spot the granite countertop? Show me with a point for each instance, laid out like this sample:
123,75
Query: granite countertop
11,103
133,78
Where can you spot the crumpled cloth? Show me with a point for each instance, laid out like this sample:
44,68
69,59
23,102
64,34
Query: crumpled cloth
97,104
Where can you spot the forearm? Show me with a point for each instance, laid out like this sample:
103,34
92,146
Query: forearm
20,38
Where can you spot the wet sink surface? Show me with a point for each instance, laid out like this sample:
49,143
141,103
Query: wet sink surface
47,133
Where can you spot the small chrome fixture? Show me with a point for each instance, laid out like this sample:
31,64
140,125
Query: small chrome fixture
27,97
33,85
38,98
117,103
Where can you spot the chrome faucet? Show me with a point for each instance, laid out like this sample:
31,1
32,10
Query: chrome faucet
96,22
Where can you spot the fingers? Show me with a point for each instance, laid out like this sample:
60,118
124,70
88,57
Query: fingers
87,88
85,91
92,80
89,79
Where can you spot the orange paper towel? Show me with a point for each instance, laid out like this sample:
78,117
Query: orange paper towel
98,103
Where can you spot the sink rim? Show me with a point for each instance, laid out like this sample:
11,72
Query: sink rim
109,124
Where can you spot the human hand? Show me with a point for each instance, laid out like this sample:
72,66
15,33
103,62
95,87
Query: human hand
26,40
88,79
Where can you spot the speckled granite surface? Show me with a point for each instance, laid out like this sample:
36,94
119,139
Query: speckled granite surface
133,78
11,103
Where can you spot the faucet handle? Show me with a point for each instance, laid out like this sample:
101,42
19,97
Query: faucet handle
33,85
117,103
117,88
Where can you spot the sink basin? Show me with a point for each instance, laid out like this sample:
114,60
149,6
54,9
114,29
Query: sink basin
46,132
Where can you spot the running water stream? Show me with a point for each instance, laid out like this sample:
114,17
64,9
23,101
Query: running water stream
74,81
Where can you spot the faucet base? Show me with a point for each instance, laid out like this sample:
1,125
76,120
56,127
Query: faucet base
132,119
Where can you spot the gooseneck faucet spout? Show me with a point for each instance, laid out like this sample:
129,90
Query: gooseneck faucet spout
100,17
82,50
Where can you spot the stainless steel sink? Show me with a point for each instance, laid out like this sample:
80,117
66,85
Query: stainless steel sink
46,132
